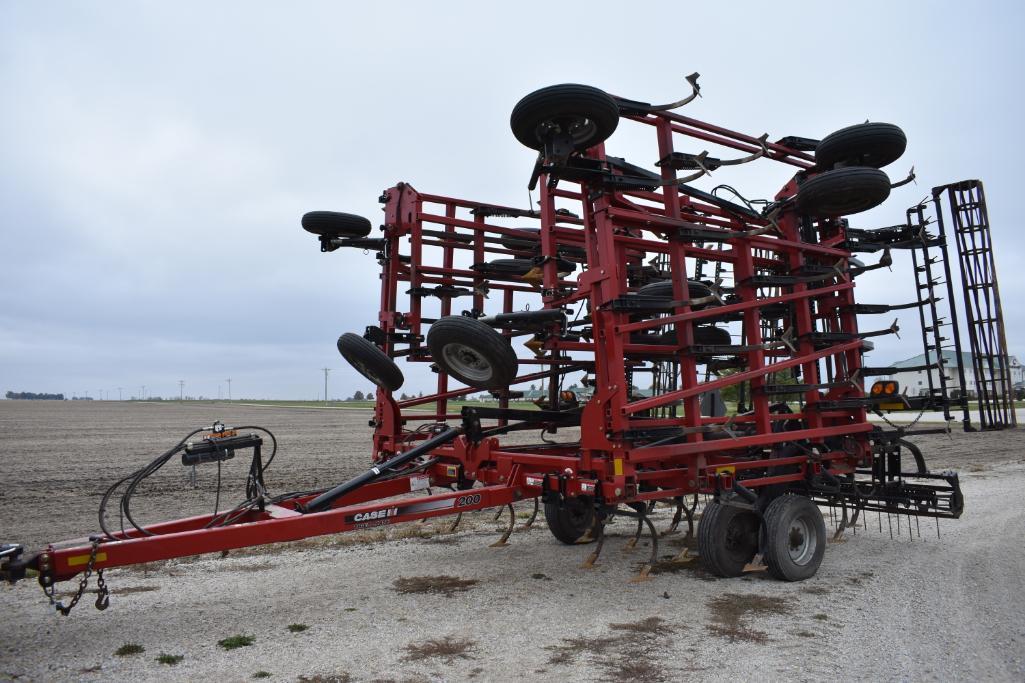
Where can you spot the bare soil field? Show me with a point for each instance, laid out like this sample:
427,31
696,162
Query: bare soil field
417,603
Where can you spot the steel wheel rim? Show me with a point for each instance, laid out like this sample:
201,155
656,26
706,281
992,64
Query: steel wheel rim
801,541
579,128
464,360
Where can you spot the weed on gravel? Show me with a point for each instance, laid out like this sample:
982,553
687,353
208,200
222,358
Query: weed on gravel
169,660
297,628
449,649
438,585
262,674
235,642
343,677
627,655
129,649
731,610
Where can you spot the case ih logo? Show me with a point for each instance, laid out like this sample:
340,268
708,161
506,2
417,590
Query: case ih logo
375,515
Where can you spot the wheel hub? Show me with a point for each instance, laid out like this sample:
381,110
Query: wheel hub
467,362
801,542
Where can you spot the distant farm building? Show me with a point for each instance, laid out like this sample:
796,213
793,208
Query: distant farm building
916,382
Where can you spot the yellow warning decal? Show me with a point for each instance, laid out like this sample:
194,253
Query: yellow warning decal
77,560
728,469
617,467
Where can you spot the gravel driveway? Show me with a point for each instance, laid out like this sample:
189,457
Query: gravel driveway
417,603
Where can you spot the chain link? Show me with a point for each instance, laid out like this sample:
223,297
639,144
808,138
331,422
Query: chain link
103,593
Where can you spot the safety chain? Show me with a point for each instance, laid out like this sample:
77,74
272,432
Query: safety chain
906,427
103,593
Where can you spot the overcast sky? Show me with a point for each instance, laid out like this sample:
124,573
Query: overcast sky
155,158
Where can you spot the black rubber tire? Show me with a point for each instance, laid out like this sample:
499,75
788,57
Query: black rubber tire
664,289
530,245
336,224
727,538
518,267
588,114
370,361
709,335
475,354
843,192
569,522
864,144
789,521
705,335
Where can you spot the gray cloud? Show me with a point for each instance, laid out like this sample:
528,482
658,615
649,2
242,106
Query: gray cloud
155,158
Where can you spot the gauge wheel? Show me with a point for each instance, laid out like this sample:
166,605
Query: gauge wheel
530,244
727,538
795,538
570,520
843,192
588,115
336,224
865,144
472,352
370,361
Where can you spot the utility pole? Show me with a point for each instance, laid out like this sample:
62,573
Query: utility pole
119,394
181,390
143,396
326,371
229,388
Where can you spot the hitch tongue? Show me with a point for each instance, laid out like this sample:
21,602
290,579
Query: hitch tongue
11,569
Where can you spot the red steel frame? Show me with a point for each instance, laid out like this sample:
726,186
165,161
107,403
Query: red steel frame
614,229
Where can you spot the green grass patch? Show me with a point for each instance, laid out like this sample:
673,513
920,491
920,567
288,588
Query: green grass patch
235,642
170,660
297,628
129,649
262,674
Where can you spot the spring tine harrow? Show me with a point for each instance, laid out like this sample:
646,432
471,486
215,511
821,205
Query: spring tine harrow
504,540
533,515
599,539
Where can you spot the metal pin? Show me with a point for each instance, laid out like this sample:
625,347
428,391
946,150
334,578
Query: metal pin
889,523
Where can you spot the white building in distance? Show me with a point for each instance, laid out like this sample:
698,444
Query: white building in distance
916,382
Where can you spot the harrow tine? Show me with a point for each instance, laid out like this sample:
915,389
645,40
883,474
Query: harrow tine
498,515
842,525
455,523
600,538
690,517
677,517
643,575
695,92
504,540
533,516
632,543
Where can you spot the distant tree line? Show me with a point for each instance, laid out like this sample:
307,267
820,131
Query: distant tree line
32,396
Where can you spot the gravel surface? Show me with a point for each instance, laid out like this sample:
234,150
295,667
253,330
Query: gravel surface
415,602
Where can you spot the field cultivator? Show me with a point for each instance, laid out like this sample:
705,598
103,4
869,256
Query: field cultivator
737,316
